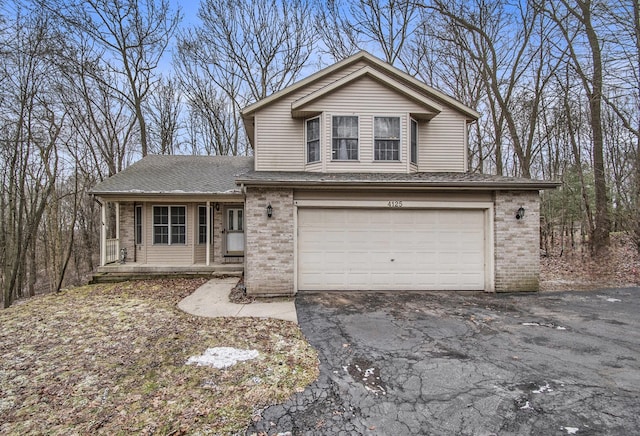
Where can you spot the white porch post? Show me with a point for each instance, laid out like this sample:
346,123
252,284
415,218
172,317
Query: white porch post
103,233
208,232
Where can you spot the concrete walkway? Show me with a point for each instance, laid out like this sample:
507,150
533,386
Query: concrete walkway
212,300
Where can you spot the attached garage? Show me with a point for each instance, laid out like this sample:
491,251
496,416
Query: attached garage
404,248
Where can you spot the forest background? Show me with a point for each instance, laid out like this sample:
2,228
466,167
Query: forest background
88,87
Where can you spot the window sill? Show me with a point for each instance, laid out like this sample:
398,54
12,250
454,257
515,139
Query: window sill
345,160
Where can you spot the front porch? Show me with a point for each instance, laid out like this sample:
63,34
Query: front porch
151,237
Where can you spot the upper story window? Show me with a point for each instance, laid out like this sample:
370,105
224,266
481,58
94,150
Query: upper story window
386,138
313,140
414,141
344,138
169,225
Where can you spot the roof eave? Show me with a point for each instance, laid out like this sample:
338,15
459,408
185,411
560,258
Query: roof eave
468,185
161,193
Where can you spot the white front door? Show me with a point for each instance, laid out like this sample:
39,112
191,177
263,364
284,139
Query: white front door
235,231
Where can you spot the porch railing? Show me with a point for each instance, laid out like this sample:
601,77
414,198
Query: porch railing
112,254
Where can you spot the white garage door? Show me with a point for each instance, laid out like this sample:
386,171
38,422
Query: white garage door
391,249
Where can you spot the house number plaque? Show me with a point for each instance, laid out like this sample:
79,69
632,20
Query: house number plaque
394,204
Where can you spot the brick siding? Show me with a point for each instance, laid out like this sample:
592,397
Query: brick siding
269,243
517,241
127,229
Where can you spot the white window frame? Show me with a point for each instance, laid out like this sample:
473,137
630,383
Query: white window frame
333,138
307,141
390,138
413,157
169,225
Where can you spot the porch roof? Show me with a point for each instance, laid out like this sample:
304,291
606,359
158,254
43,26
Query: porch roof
178,175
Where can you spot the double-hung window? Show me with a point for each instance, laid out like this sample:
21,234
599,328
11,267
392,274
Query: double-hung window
169,225
344,138
386,132
414,141
313,140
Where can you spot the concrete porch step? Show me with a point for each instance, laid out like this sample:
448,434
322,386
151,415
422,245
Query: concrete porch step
119,273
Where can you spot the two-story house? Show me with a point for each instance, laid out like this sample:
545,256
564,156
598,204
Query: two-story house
359,181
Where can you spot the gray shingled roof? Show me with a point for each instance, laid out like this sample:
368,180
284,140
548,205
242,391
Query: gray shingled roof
426,180
178,175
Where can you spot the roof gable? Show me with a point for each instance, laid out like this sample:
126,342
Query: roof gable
430,107
392,75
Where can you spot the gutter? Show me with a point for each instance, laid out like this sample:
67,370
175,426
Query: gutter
479,186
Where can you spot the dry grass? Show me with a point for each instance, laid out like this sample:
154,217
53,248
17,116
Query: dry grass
577,270
110,359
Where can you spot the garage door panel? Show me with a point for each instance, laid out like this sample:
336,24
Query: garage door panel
359,249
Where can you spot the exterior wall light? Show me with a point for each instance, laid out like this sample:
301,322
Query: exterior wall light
269,210
217,206
520,213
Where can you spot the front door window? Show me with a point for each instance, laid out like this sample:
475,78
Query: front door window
235,231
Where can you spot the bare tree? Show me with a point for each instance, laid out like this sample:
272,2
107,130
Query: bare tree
164,108
242,52
575,21
348,26
214,102
31,124
102,124
261,47
130,37
508,46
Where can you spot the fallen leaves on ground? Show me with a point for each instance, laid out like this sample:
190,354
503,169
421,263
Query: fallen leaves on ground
576,269
110,359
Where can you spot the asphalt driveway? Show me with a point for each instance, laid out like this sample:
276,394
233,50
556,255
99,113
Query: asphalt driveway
468,364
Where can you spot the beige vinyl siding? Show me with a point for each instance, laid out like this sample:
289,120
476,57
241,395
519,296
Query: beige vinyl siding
362,96
174,254
199,250
441,143
279,139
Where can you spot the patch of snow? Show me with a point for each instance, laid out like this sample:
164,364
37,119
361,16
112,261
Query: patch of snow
543,389
368,372
561,328
571,430
222,357
531,324
613,300
527,405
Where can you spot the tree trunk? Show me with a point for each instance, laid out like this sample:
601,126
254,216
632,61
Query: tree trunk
602,227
